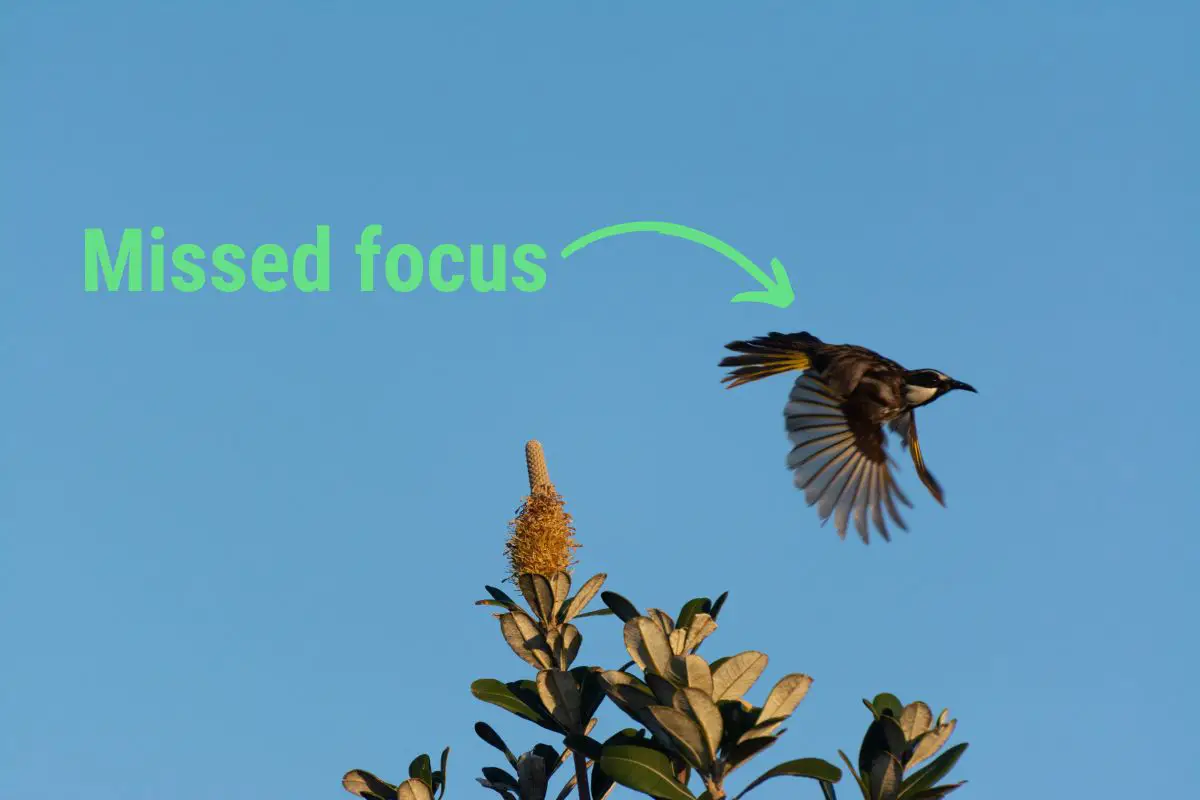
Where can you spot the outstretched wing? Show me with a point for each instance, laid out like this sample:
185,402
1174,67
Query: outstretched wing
906,426
839,461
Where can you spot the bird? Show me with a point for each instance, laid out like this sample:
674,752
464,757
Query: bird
835,417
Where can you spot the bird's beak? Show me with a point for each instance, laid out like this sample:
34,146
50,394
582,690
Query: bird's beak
966,387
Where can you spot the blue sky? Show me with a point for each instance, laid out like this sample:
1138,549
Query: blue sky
241,534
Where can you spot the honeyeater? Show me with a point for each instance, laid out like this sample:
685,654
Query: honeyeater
835,417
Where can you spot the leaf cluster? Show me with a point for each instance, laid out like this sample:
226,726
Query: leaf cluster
561,698
899,738
532,771
695,711
424,782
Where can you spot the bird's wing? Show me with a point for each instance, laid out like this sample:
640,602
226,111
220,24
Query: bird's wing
840,462
906,426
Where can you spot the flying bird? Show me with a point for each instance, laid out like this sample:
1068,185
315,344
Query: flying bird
835,417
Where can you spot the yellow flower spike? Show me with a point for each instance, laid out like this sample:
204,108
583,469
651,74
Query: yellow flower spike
541,540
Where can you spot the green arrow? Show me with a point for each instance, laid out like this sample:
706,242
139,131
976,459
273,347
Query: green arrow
776,292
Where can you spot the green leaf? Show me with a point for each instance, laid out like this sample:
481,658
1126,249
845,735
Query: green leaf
718,605
364,784
637,738
414,789
501,597
784,698
685,733
560,585
937,792
603,612
549,755
532,775
739,718
647,644
690,671
578,603
677,639
496,603
527,692
739,754
422,770
624,609
736,675
828,790
883,736
933,772
539,594
627,692
500,776
930,742
643,770
560,694
885,777
602,783
627,736
701,628
664,690
489,735
500,789
690,609
758,731
862,785
699,706
445,758
490,690
662,618
815,768
584,745
566,645
885,702
525,639
590,691
915,719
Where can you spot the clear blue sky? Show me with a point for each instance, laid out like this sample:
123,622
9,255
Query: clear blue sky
241,534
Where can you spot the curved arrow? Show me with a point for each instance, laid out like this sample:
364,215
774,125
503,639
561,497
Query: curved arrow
776,291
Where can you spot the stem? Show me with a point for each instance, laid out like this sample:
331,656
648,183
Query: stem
581,777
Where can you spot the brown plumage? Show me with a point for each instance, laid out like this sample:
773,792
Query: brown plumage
835,416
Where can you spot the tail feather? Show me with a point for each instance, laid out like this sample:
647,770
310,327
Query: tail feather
764,356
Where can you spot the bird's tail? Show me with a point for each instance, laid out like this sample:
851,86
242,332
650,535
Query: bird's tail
768,355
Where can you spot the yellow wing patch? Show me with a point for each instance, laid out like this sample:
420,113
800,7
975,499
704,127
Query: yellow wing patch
763,365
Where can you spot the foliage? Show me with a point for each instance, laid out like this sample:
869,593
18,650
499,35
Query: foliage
424,783
691,716
899,738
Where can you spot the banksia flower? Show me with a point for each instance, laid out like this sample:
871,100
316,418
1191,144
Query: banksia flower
541,540
535,465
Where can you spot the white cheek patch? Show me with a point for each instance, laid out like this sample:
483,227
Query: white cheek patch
915,395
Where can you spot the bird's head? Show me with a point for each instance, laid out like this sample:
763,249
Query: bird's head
922,386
